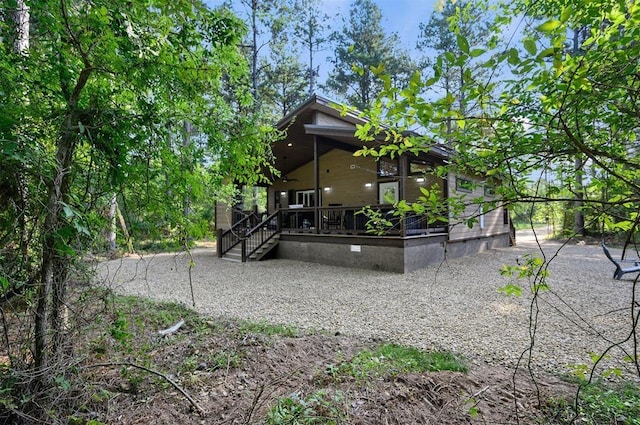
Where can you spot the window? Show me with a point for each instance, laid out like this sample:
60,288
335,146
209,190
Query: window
306,198
387,167
489,190
417,166
464,185
388,192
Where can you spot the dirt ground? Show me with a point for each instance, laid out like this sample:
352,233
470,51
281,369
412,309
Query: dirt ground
235,376
260,369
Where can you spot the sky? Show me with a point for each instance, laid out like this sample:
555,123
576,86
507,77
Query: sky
400,16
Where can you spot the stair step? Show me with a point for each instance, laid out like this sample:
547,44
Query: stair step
233,260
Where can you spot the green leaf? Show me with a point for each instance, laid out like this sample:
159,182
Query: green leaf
549,26
463,44
514,58
530,46
511,289
566,14
477,52
546,53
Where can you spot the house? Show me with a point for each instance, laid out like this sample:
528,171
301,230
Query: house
312,211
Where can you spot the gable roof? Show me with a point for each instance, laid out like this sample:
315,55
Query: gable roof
322,118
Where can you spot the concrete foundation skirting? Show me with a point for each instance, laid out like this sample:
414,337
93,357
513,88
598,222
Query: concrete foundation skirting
465,247
396,255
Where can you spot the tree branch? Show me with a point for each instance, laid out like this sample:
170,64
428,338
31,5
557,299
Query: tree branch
195,405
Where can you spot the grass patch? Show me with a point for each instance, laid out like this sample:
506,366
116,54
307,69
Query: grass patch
392,360
265,328
600,404
321,407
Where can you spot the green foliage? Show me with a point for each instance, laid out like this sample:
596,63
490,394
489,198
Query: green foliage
392,360
321,407
600,403
270,329
119,329
145,101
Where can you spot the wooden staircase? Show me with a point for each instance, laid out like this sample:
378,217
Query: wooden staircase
266,248
235,253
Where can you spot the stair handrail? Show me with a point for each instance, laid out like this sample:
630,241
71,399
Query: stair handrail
248,235
234,234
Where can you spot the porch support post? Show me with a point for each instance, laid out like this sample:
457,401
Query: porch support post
316,178
404,174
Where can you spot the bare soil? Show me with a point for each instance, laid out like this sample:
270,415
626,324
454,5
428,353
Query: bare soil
234,375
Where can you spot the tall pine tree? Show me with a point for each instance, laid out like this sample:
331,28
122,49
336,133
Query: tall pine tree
362,50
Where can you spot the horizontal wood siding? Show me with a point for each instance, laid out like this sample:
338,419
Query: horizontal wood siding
346,183
493,220
324,119
223,216
346,177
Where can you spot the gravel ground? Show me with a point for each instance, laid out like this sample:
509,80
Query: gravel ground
455,306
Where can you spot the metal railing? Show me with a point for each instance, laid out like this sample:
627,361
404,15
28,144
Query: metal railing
353,220
226,240
252,233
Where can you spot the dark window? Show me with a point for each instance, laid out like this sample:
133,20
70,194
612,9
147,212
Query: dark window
489,191
417,166
387,167
464,185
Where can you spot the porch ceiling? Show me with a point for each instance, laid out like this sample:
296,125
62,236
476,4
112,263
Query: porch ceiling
301,126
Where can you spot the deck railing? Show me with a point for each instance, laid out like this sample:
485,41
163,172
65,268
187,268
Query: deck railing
253,233
352,220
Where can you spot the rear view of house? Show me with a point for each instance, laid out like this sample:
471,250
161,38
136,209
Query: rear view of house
313,210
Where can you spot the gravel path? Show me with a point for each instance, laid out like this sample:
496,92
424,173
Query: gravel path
455,306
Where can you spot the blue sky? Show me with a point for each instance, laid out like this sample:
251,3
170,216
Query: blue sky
400,16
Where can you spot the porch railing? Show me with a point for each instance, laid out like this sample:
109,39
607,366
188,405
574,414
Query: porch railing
260,234
350,220
252,233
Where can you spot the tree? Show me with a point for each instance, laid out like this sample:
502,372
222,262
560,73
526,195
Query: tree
557,104
267,19
98,104
282,87
362,51
440,36
309,29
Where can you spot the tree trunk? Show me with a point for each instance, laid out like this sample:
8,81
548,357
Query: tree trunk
21,21
55,263
578,203
111,232
53,270
254,51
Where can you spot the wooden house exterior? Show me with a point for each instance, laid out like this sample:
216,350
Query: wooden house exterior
312,210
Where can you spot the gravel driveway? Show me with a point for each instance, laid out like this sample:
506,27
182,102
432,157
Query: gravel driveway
455,306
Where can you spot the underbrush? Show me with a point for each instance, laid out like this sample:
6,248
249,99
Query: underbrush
600,404
121,369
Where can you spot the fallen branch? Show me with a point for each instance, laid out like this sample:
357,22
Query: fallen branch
172,329
175,385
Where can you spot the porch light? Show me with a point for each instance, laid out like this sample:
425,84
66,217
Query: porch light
289,144
420,179
368,185
327,189
283,193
